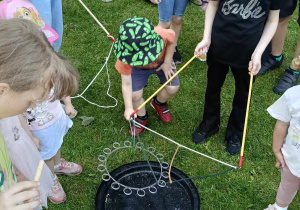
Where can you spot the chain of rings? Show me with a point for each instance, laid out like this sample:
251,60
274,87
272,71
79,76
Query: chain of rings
127,190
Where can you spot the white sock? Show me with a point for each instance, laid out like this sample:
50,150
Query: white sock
57,166
280,208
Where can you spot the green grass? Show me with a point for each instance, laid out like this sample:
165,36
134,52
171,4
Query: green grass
84,42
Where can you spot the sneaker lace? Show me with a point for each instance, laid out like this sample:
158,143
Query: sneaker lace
66,164
55,187
234,141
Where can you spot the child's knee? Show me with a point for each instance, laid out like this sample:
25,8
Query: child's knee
165,24
176,20
172,90
136,96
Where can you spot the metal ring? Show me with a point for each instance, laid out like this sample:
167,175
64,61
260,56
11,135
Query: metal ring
116,145
159,156
139,145
115,186
165,165
165,174
101,158
105,177
141,193
127,143
127,191
101,168
161,183
154,190
151,149
107,151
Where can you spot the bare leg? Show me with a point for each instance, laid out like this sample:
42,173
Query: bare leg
167,93
137,100
176,24
56,158
50,164
279,36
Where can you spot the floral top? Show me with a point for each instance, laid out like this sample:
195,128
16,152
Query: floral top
44,114
7,175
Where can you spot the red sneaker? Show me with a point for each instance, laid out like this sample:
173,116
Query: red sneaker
162,111
138,129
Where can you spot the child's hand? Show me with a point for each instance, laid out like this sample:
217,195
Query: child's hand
22,192
127,114
37,143
155,1
167,68
202,47
255,63
280,163
69,109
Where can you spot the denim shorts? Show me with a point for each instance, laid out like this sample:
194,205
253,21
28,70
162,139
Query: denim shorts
290,10
168,8
140,78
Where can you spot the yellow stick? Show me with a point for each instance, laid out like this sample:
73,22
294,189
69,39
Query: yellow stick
39,171
159,89
246,121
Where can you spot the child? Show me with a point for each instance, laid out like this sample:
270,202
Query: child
170,16
51,12
49,123
286,110
29,68
143,50
236,34
275,59
48,120
24,155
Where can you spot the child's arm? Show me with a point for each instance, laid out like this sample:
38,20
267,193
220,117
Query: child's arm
167,65
279,134
210,13
69,109
268,33
127,95
26,128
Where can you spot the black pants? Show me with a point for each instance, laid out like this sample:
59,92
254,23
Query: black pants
216,76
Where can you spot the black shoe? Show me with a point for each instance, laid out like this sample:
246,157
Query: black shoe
289,79
270,64
234,144
177,57
200,136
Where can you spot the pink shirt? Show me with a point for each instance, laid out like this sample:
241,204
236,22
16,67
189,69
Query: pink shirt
44,114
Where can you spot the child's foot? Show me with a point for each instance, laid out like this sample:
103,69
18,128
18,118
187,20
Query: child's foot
57,194
289,79
162,110
271,63
176,56
271,207
137,129
234,144
67,168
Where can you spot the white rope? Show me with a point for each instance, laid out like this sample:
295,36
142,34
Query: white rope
219,161
107,92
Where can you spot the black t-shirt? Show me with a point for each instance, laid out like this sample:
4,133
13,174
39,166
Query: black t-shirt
237,29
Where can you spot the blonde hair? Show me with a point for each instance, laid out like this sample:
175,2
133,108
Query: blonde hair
27,60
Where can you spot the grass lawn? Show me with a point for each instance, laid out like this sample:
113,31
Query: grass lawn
85,43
